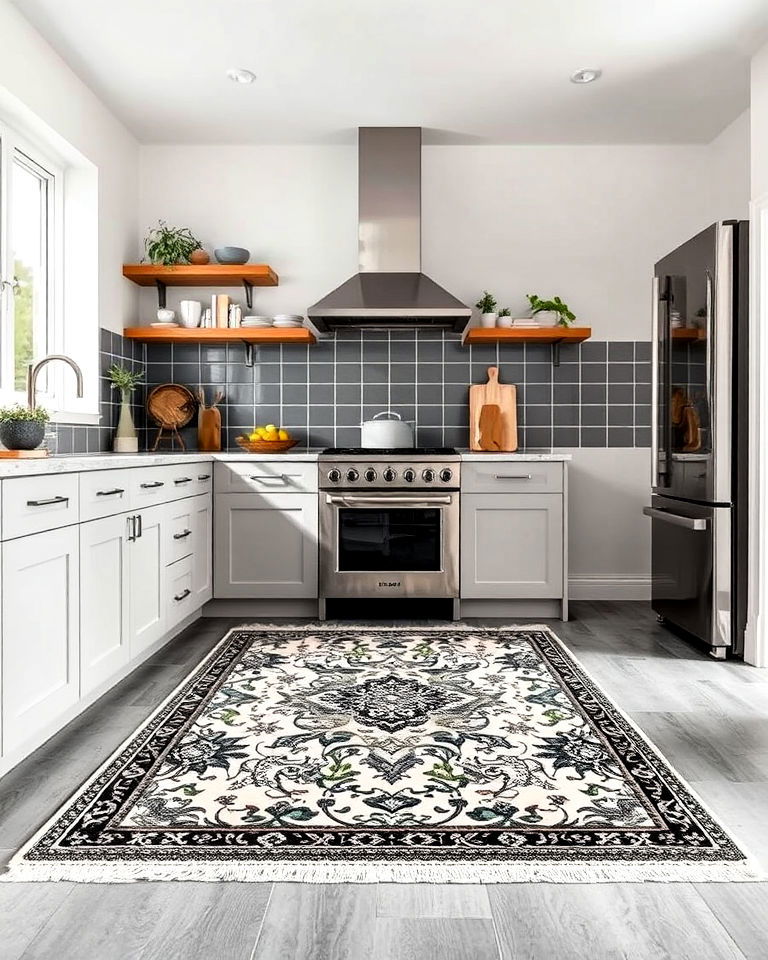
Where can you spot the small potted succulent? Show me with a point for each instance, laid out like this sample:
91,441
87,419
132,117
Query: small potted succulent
550,313
126,381
171,245
487,307
505,317
22,428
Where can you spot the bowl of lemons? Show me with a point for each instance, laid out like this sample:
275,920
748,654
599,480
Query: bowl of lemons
268,439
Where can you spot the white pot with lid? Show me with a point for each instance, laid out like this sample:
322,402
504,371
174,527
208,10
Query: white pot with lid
390,434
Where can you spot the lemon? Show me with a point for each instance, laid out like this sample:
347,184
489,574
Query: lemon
253,436
284,435
271,428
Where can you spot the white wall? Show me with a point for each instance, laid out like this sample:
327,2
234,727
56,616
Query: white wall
729,156
759,123
35,78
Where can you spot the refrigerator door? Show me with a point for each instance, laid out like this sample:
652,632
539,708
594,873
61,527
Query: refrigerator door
691,583
692,359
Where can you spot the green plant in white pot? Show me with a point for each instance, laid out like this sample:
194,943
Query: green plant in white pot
487,307
126,381
22,428
550,313
170,245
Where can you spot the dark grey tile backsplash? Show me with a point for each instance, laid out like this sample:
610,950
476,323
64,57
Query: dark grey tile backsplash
599,396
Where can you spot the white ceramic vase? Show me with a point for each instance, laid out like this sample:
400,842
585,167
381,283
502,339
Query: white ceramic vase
547,318
190,312
488,319
126,438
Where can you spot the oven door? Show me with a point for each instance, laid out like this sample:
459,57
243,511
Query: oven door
389,544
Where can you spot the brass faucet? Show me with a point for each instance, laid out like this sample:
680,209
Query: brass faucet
34,369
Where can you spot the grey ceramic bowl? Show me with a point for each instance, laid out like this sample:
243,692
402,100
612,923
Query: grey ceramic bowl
22,434
232,254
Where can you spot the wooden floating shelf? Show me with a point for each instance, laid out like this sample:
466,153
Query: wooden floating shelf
220,335
527,334
250,275
555,336
689,333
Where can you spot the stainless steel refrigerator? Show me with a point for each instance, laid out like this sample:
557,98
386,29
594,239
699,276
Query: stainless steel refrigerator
699,449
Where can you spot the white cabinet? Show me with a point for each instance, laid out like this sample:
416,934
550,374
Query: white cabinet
105,599
511,546
147,562
202,549
265,546
40,606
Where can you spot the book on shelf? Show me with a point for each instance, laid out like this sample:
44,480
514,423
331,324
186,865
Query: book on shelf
220,309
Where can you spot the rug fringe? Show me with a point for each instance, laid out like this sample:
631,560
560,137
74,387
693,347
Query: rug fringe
350,872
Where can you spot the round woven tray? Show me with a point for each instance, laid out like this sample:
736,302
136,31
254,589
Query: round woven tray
171,405
265,446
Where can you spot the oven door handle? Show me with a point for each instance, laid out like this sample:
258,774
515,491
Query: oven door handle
390,501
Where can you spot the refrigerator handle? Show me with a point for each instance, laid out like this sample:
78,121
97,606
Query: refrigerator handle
655,386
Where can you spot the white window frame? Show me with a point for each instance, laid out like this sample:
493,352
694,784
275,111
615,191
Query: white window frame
45,165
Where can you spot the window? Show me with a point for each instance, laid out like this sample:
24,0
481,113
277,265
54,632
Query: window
30,259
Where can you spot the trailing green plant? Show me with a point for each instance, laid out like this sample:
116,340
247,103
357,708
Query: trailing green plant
505,312
486,303
19,411
556,305
170,245
123,379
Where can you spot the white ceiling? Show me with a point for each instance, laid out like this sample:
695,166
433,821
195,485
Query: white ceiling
487,71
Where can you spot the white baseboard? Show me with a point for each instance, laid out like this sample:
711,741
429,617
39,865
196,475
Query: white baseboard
609,588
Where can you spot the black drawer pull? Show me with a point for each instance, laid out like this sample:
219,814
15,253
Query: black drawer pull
204,476
183,595
110,493
48,502
182,536
183,480
150,486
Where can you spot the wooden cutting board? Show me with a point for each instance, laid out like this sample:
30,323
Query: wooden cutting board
493,415
209,430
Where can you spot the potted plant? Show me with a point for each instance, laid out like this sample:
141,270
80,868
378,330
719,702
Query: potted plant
550,313
487,307
126,381
22,428
170,245
505,317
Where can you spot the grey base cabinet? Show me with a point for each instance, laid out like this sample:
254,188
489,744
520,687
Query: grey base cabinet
512,545
265,545
514,533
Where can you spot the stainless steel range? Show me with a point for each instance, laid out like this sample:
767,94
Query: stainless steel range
389,523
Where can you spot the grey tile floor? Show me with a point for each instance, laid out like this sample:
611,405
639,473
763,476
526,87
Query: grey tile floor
710,719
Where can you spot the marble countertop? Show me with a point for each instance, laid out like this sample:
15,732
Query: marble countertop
78,462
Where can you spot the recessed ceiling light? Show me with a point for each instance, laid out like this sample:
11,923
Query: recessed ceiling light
586,76
240,75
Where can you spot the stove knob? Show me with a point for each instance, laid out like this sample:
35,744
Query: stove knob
334,475
370,474
390,474
428,475
446,474
352,474
409,475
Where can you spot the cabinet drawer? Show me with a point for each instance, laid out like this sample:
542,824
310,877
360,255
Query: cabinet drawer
511,476
150,485
104,493
179,595
35,504
178,530
266,476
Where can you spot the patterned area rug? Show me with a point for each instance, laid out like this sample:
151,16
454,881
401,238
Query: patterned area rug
324,753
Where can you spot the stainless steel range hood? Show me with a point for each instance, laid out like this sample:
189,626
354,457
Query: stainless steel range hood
390,290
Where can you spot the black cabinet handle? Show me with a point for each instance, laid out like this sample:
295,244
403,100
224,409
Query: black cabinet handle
182,596
131,528
150,486
204,476
182,536
48,502
110,493
183,480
